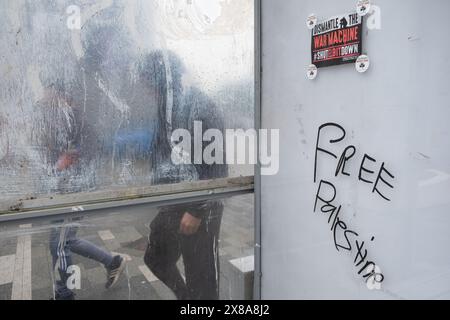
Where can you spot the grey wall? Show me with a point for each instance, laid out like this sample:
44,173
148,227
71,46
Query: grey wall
397,113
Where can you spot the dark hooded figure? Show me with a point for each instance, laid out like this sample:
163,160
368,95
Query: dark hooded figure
190,230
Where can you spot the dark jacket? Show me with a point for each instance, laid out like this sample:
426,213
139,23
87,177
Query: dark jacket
187,106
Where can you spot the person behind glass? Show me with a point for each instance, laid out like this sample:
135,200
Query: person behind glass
187,230
60,137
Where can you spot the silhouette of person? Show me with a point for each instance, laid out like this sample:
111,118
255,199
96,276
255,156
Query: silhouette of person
187,230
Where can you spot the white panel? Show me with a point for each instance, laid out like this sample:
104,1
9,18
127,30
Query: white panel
397,113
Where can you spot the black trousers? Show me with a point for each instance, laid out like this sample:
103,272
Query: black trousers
200,254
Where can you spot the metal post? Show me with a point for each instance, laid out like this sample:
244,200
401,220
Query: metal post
258,77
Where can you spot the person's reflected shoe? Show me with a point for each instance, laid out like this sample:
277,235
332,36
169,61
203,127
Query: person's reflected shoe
114,271
64,295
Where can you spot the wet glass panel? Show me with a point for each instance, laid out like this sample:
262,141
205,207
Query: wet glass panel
92,91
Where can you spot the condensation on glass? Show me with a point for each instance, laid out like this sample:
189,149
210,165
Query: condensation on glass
91,91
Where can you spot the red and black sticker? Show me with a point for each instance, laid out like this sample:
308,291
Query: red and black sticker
337,40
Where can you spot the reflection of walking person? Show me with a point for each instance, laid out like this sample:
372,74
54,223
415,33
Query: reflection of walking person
60,133
64,242
176,232
189,231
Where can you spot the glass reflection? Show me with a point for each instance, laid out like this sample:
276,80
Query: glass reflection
201,250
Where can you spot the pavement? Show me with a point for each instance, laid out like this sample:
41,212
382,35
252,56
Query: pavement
25,261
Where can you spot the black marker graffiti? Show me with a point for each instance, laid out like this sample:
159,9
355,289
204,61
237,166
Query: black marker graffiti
327,194
366,267
380,178
347,155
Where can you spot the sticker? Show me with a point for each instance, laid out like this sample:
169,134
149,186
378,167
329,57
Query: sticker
337,40
312,72
311,21
363,7
362,63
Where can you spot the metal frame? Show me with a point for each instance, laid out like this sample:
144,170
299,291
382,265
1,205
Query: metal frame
130,196
154,201
258,123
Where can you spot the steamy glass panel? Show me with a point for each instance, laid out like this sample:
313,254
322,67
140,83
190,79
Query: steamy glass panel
91,91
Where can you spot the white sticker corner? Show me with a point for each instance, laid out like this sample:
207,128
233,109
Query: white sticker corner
362,63
312,72
363,7
311,21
